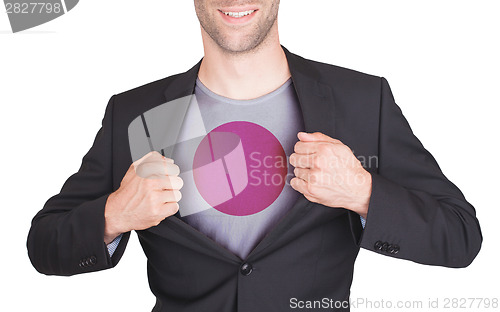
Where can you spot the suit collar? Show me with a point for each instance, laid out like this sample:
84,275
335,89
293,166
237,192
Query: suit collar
315,97
318,110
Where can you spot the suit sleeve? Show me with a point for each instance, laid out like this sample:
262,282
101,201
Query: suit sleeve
67,236
415,212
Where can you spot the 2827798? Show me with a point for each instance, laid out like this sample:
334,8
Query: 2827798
33,8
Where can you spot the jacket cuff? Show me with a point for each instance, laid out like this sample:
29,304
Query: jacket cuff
381,215
90,252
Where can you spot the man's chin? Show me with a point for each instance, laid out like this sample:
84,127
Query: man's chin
239,46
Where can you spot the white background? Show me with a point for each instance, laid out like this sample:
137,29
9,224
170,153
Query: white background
440,58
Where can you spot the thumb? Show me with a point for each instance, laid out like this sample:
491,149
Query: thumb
148,156
152,156
316,137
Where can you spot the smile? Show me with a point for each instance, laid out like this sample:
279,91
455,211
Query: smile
239,14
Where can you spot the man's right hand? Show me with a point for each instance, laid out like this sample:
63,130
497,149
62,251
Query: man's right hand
148,193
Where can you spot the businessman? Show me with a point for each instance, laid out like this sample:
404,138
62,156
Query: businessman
220,238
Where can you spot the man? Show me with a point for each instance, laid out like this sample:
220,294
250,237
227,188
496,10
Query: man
237,245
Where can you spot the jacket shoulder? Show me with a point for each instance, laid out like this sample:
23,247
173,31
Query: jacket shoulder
341,75
153,90
132,103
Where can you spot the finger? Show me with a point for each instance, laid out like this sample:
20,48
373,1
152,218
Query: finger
171,208
302,161
301,186
133,167
169,160
143,158
316,137
172,169
172,183
157,170
311,176
302,147
309,147
298,184
170,196
302,173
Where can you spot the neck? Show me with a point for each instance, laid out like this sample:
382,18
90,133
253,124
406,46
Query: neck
244,76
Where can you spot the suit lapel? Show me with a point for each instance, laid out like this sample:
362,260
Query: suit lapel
318,110
315,98
183,84
317,105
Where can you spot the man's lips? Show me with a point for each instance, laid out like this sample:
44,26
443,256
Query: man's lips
237,15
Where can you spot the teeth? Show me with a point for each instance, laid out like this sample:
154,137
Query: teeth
239,14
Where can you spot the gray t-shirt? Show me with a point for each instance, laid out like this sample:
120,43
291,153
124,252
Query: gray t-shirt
238,185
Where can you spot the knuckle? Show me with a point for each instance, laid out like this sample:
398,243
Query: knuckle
172,208
142,170
153,200
337,141
144,166
326,149
157,220
177,195
346,150
301,161
169,183
166,183
316,161
311,190
314,176
149,183
322,148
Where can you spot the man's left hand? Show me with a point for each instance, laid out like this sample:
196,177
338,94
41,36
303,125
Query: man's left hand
327,172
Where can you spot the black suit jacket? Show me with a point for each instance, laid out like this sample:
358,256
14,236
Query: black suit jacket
415,212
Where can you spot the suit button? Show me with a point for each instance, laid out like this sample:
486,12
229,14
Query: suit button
390,249
396,249
384,246
378,245
83,263
93,260
246,269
